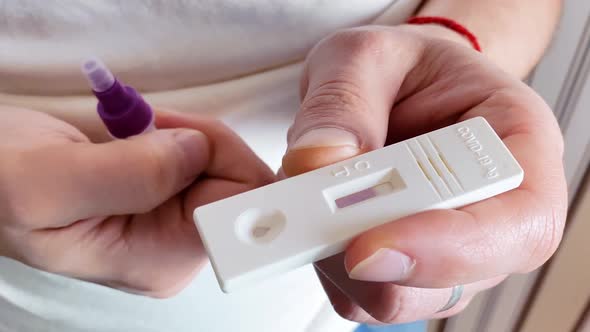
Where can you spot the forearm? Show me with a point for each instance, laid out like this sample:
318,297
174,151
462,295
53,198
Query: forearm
513,33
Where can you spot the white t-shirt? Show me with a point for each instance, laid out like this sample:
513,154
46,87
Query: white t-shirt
235,59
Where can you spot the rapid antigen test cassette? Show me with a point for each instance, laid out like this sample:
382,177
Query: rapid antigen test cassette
303,219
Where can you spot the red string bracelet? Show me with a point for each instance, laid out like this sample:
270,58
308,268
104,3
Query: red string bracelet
449,24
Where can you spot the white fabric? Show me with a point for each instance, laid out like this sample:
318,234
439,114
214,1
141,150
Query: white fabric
236,59
162,44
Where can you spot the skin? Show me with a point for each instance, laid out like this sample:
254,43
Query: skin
383,85
508,31
123,218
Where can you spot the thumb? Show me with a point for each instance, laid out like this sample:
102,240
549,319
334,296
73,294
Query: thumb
349,86
119,177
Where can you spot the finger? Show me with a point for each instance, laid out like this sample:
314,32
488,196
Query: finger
389,303
343,306
515,232
281,174
120,251
233,168
83,180
448,247
231,158
349,86
173,241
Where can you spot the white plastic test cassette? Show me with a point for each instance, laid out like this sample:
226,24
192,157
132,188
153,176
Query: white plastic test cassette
303,219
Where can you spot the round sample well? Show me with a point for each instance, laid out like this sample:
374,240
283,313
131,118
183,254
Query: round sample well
260,226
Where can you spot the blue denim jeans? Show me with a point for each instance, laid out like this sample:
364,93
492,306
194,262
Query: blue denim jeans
410,327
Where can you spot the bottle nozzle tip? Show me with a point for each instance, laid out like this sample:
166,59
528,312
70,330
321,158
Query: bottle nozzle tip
99,76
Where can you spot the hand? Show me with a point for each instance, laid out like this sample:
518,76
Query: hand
367,87
117,213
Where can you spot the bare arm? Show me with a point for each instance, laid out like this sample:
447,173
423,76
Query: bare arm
513,33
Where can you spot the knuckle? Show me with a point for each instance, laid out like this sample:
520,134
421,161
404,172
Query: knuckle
359,42
396,314
217,123
544,236
350,312
398,306
333,99
161,178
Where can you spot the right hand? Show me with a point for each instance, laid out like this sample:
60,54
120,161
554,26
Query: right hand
117,213
366,87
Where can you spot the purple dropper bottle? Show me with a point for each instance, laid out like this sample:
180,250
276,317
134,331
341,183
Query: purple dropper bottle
121,108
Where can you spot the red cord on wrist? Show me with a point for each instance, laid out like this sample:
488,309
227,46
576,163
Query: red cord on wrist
446,22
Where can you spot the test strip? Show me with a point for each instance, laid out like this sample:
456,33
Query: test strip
363,195
277,228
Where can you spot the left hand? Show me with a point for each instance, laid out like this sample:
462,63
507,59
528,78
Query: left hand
367,87
117,213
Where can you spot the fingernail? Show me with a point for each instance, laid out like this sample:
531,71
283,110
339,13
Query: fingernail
385,265
194,145
326,137
189,140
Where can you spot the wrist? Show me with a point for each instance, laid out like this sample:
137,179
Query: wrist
440,32
445,28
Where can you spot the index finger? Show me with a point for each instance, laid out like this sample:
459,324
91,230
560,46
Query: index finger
231,159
